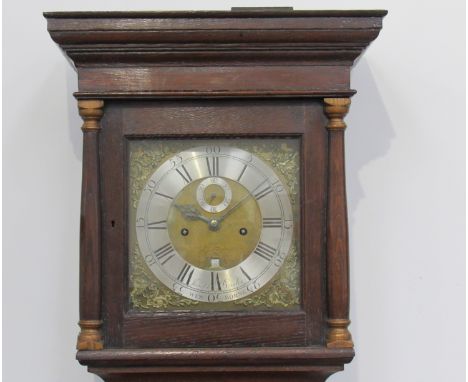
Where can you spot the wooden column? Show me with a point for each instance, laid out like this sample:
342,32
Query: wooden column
90,337
338,335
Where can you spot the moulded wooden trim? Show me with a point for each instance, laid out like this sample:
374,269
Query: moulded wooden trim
221,14
311,364
214,79
219,356
215,94
311,37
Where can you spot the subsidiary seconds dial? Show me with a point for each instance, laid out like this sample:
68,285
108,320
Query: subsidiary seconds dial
214,223
214,194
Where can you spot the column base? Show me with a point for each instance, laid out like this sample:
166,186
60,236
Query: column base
338,334
90,337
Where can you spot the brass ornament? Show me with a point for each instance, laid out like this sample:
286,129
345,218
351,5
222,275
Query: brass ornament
336,109
338,335
146,292
282,291
90,337
91,111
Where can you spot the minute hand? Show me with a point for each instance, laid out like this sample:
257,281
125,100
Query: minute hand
228,212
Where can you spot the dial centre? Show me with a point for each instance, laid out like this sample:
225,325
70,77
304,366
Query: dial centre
214,224
214,236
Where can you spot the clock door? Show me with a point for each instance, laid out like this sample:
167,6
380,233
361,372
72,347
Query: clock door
208,243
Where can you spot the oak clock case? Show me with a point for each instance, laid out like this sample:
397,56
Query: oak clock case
214,237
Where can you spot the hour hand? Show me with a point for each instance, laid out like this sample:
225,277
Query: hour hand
190,212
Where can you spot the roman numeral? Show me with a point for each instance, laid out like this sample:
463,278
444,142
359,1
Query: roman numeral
215,283
213,165
264,192
242,173
163,195
272,222
187,178
245,273
165,253
186,272
157,225
265,251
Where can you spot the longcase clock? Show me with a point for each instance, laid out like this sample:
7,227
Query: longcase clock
213,243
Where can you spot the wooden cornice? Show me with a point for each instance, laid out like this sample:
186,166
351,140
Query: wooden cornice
128,46
273,12
201,37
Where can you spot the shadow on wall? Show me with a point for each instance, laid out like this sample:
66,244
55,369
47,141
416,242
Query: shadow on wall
368,138
369,132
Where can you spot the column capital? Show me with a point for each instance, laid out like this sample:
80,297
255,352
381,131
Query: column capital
336,109
91,111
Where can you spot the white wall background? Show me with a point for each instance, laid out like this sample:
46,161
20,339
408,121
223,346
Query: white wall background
405,169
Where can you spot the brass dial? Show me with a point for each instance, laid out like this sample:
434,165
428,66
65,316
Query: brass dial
214,223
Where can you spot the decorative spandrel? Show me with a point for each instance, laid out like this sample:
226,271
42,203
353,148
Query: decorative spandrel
281,291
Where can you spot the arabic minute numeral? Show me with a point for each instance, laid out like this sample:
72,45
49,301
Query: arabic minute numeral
150,260
150,185
175,161
213,149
